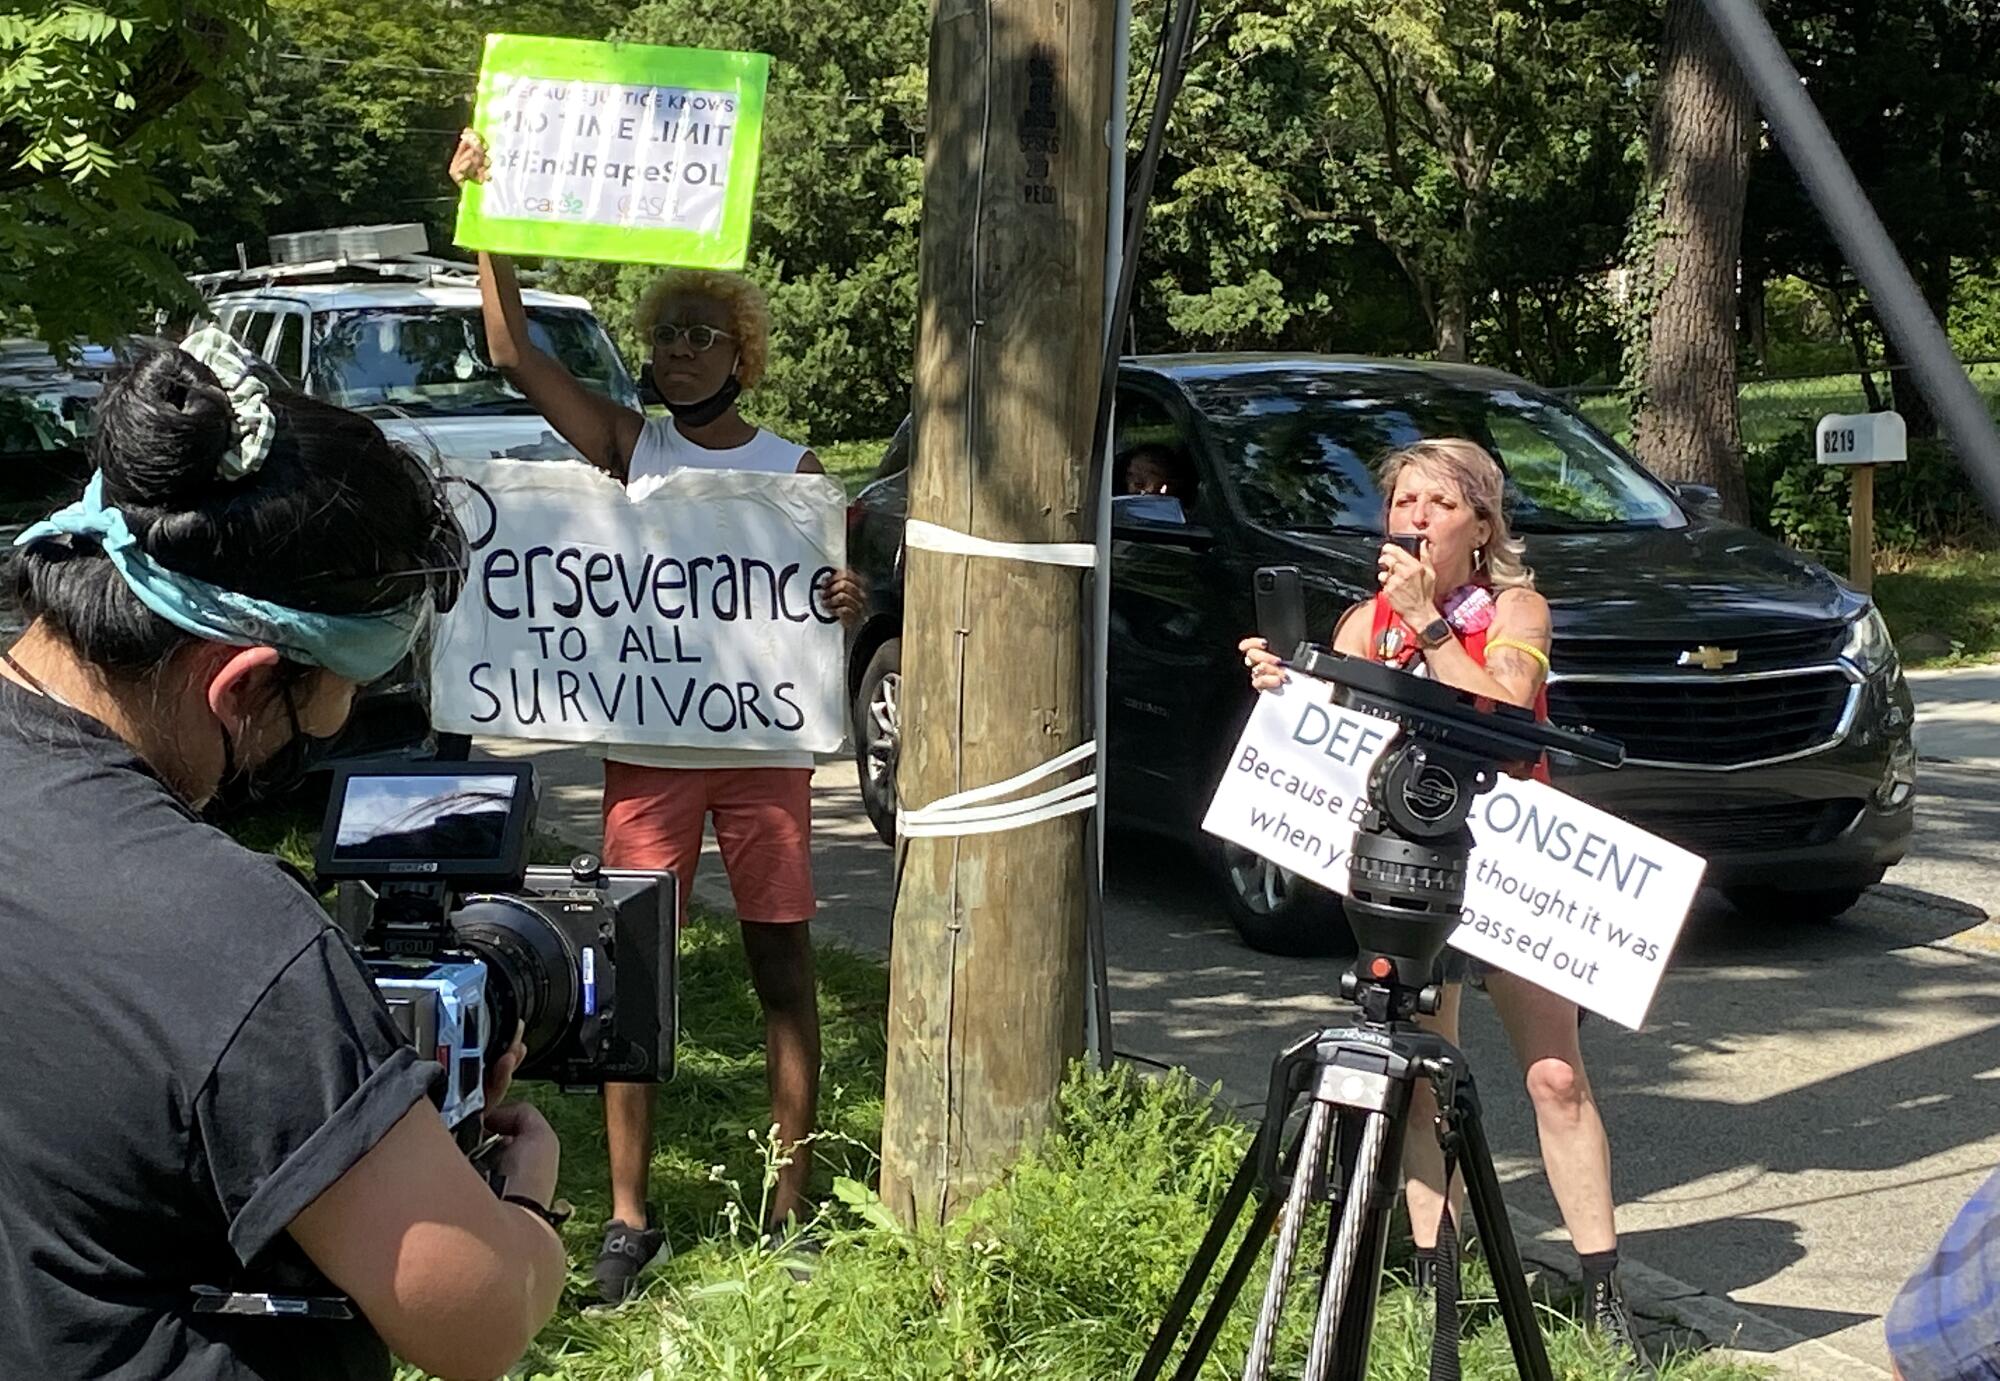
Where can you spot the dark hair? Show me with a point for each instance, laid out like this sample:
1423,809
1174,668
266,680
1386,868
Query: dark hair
1168,458
337,520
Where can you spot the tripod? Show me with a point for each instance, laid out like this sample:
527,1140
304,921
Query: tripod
1346,1157
1406,893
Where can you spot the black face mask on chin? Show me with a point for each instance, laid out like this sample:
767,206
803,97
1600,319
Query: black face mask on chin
708,409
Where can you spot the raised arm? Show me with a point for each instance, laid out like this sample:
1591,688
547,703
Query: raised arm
602,430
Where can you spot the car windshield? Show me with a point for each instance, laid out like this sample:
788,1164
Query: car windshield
433,360
1301,450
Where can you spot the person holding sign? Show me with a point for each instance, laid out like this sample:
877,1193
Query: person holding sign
710,334
1457,604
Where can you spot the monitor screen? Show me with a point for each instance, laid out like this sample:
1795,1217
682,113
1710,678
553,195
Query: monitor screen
461,818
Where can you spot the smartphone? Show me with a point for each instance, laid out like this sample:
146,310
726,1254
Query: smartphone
1281,608
1409,542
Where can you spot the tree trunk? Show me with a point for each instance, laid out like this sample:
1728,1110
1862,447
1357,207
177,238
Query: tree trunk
1699,167
1452,322
986,974
1933,275
1756,330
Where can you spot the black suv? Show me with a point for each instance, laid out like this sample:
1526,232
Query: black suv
1765,718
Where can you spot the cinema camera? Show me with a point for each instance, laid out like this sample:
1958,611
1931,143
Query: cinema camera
1354,1084
464,940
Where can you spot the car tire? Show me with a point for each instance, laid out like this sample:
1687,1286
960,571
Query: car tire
878,727
1275,911
1794,905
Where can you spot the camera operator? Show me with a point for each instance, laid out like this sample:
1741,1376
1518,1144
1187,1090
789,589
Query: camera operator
1464,611
202,1090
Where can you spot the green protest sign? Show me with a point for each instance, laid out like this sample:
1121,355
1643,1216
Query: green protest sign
623,152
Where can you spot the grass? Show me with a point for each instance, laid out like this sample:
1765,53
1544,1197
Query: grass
1774,409
852,462
1948,601
1060,1272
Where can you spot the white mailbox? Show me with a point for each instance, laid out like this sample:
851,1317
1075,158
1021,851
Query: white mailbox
1867,438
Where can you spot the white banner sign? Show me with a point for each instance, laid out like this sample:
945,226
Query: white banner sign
689,614
1558,892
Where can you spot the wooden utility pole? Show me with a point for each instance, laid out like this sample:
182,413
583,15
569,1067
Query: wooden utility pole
986,975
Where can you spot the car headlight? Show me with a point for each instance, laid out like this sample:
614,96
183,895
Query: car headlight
1868,644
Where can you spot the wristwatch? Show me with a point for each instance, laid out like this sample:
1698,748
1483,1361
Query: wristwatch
1436,633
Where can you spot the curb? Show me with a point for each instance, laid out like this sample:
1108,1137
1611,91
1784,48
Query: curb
1669,1305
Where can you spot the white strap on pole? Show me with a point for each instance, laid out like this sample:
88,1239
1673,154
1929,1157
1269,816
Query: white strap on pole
932,537
969,812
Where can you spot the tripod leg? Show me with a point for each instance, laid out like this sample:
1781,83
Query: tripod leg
1226,1215
1298,1202
1225,1293
1355,1219
1357,1315
1482,1187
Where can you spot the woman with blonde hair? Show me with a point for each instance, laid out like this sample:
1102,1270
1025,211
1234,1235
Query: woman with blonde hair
709,334
1462,609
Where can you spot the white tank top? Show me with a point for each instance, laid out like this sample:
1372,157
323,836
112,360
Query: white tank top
662,448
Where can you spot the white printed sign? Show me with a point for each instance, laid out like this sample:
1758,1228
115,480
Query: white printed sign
1557,891
609,153
688,614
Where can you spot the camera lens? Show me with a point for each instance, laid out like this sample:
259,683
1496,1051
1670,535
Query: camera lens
531,973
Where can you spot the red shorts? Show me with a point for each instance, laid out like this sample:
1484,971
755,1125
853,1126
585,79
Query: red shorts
653,818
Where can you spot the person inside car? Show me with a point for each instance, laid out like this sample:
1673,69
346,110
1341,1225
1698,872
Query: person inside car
1160,470
710,338
203,1091
1466,613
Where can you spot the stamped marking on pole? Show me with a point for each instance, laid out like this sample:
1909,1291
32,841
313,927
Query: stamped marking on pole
1040,141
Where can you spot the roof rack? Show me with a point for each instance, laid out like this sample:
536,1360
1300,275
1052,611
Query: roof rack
349,254
415,268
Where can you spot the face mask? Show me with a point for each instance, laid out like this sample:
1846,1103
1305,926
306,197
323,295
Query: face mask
708,409
279,775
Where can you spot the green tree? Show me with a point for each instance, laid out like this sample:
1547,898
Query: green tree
1449,137
348,116
93,97
1911,89
835,237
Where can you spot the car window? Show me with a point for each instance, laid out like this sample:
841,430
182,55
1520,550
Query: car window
251,330
1152,456
434,359
288,357
1302,448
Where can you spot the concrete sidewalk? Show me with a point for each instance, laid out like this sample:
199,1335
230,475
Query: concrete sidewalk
1804,1113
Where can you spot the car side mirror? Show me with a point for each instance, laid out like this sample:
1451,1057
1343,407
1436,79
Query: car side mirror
1157,520
1700,500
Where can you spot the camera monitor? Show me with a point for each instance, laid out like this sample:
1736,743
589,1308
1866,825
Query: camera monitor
461,824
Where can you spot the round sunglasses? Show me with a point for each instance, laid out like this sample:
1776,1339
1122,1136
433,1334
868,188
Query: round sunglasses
667,334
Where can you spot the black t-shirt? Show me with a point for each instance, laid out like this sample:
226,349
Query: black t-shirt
189,1054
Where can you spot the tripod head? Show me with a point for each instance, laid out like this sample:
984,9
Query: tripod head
1406,888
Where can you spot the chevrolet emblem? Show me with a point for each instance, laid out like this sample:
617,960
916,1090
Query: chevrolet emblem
1708,658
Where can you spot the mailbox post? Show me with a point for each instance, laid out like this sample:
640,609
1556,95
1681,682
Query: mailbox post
1861,442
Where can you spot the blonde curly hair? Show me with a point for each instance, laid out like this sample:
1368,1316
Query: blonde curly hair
1477,475
749,314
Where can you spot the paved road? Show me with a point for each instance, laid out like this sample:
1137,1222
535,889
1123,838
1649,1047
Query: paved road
1805,1111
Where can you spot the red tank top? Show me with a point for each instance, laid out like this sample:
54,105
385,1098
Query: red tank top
1383,618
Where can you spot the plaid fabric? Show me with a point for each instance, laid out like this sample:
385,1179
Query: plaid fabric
1945,1323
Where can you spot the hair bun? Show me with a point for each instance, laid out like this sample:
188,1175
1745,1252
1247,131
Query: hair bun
162,430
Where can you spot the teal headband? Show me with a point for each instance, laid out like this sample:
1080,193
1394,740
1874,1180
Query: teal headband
360,647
